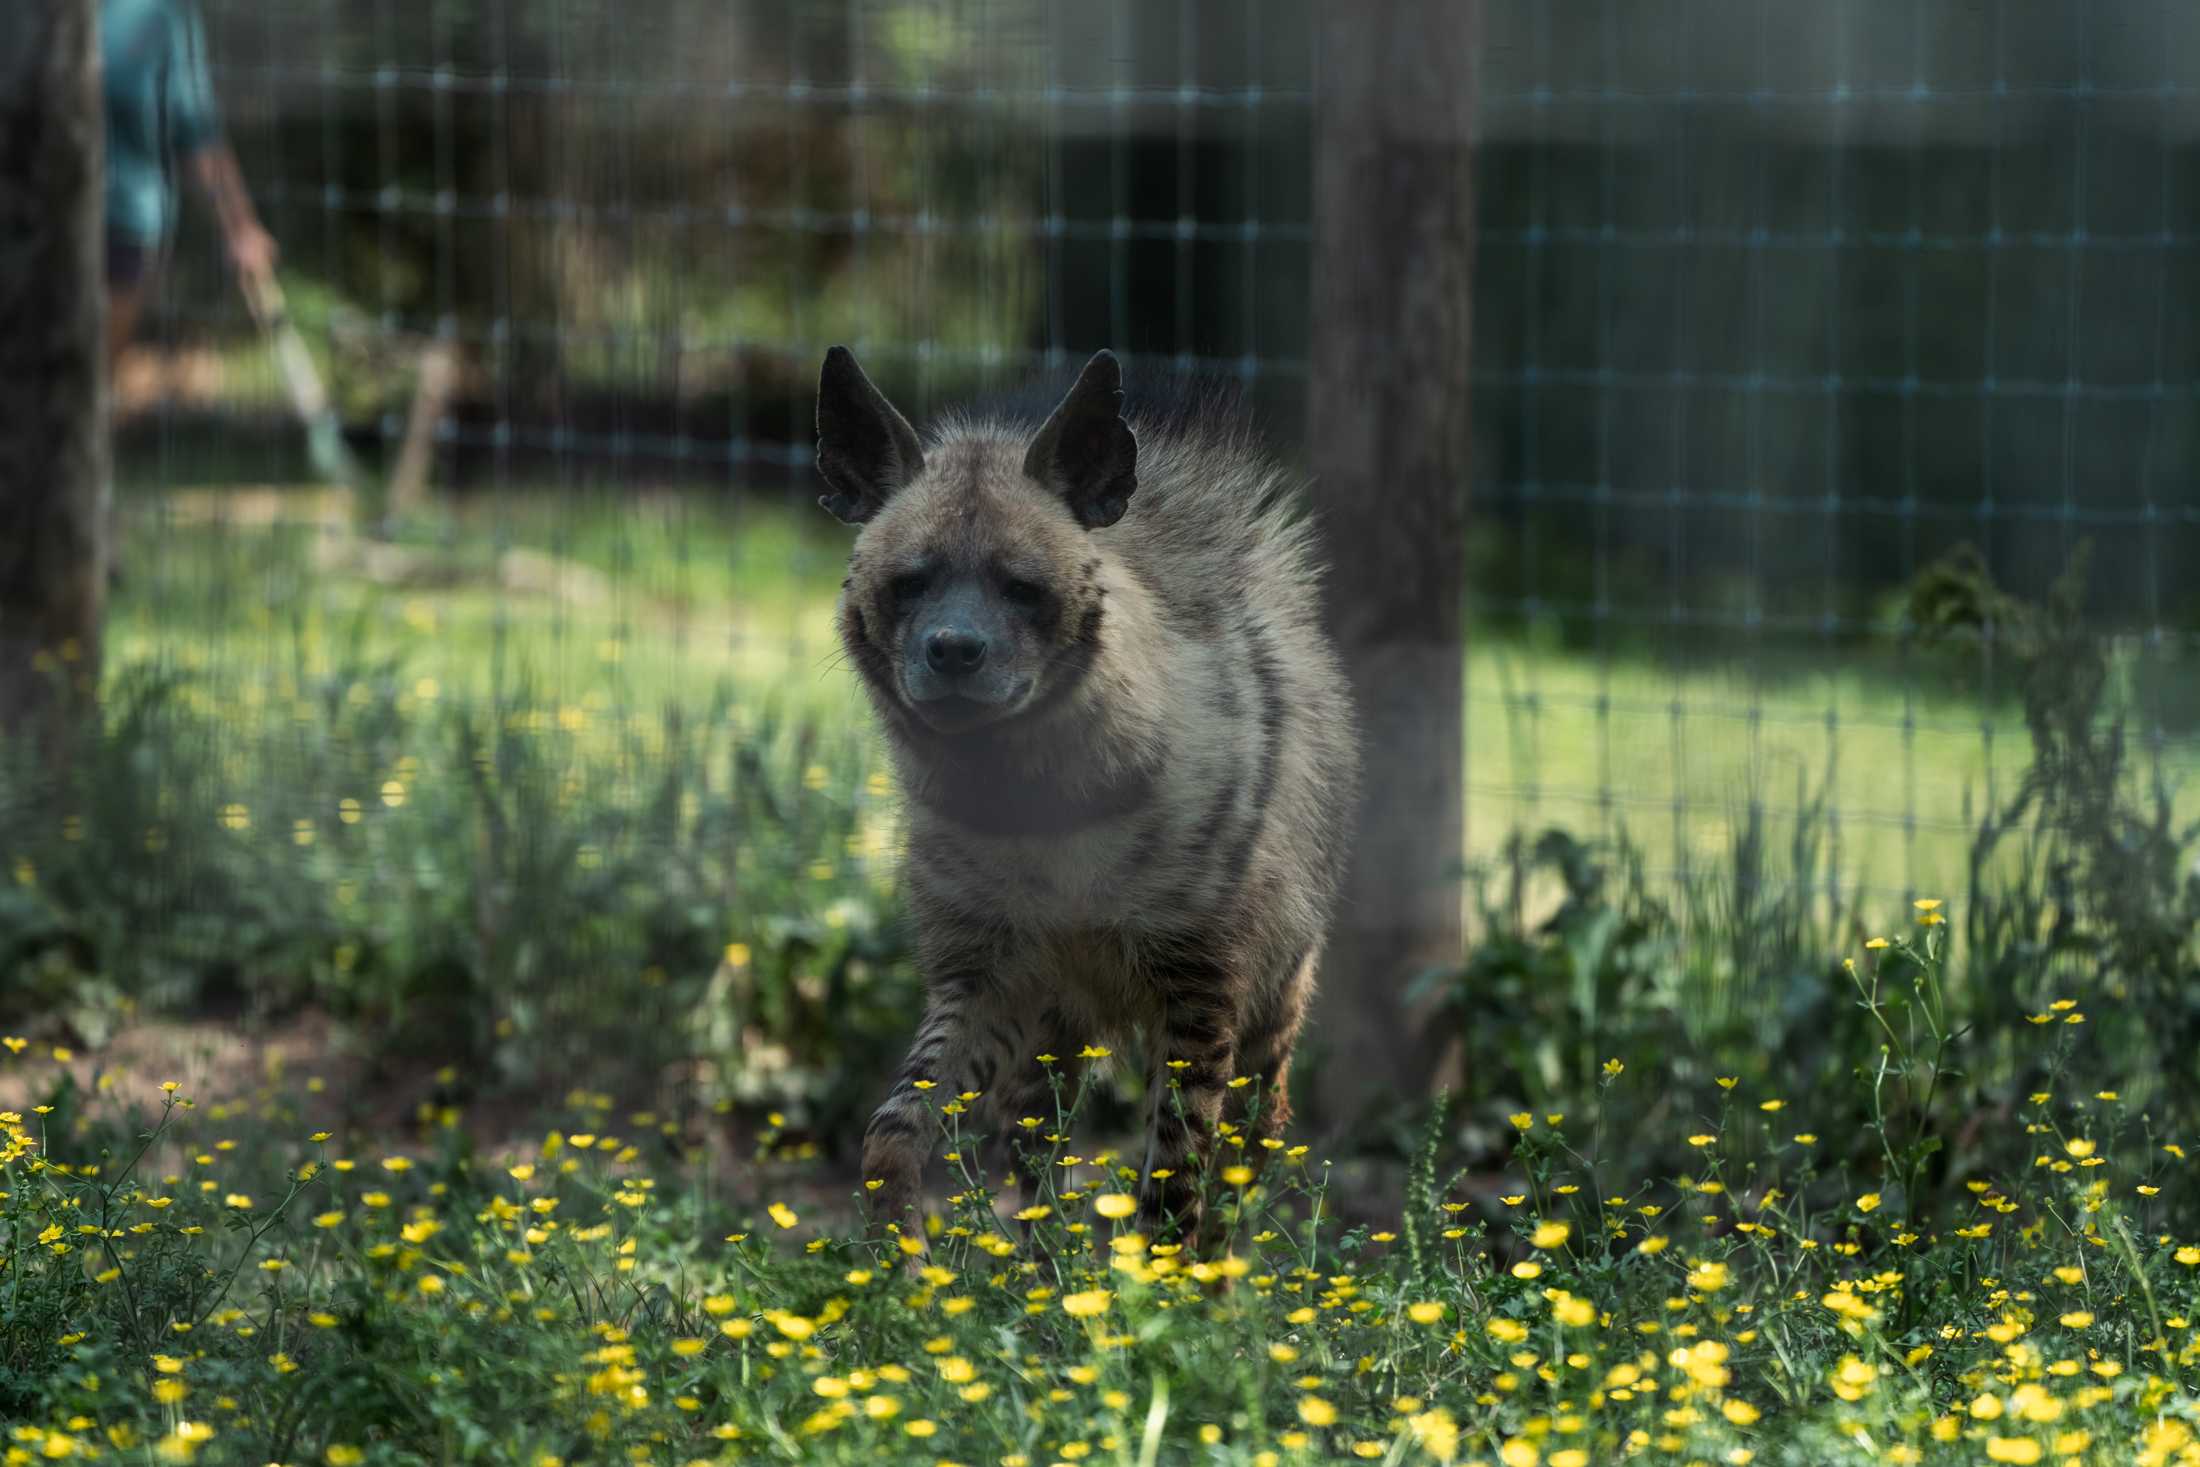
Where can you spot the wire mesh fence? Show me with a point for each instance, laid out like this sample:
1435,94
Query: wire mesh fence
1777,303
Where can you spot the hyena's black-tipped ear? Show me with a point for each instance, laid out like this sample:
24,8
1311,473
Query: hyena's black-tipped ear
1086,452
865,450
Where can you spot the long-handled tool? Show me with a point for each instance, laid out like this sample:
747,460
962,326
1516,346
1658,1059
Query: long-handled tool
330,455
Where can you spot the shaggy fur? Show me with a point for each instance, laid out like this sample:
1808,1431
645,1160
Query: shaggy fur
1143,844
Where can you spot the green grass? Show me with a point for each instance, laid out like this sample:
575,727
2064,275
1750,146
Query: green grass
626,606
232,1284
680,593
1896,753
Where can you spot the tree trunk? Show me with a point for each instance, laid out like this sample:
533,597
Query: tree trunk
53,423
1387,433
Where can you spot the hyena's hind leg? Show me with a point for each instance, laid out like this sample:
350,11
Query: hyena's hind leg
1269,1034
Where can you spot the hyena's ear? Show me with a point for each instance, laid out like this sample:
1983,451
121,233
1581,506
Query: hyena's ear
1086,452
865,450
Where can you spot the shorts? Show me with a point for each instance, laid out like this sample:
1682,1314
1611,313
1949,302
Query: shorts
130,262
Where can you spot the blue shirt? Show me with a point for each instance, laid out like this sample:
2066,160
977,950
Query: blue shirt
160,109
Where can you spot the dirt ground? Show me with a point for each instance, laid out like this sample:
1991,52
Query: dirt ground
286,1079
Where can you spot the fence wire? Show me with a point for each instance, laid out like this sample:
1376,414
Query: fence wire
1777,302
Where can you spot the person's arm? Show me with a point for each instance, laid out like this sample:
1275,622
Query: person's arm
195,125
251,248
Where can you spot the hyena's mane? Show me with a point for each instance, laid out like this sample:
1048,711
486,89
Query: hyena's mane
1214,503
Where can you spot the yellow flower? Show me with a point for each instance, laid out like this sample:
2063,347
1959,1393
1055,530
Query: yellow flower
1571,1311
1709,1277
1551,1235
1521,1120
1425,1311
782,1214
1315,1411
1115,1204
1085,1305
1869,1202
1740,1412
2018,1449
2076,1319
1237,1176
1852,1378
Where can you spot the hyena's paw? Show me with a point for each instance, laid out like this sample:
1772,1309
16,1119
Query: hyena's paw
892,1174
899,1237
1170,1209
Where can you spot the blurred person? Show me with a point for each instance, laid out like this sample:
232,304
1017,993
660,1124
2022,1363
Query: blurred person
161,120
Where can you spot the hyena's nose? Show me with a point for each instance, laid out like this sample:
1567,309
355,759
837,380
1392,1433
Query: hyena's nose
954,651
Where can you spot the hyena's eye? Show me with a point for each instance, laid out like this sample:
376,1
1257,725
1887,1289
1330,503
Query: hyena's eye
908,586
1023,593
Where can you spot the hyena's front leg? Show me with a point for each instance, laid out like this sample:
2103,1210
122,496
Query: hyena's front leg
1019,1089
1191,1070
903,1127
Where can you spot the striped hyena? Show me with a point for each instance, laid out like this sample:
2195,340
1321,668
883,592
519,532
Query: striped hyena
1125,741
